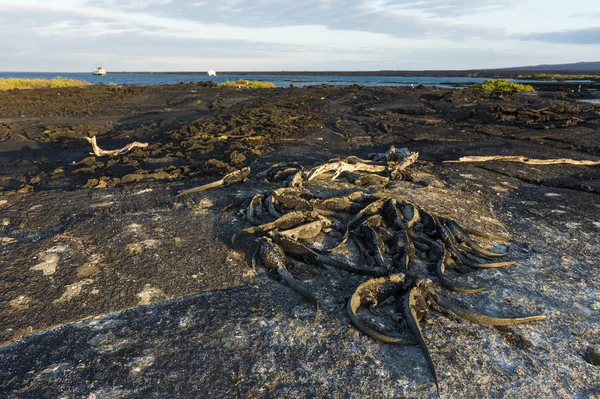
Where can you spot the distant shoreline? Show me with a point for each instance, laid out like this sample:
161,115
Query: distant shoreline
428,73
545,74
546,80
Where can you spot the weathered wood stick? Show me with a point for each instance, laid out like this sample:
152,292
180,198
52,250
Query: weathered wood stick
526,160
99,152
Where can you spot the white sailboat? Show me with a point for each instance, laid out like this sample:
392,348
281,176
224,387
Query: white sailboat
211,73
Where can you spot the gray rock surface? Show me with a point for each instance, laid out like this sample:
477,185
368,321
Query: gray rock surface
258,340
130,292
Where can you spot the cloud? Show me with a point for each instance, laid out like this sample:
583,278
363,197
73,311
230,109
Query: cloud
62,41
59,32
362,27
286,12
263,35
445,8
573,36
400,19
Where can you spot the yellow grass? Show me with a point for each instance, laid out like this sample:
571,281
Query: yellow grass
58,82
248,84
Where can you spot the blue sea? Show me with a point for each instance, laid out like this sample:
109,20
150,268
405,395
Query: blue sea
278,80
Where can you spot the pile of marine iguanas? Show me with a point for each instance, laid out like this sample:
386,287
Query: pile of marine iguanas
390,234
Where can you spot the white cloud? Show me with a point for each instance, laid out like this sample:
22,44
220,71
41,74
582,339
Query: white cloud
285,34
570,36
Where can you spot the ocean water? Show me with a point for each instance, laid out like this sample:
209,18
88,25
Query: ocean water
278,80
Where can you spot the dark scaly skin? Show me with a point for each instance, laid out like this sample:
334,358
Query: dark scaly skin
477,265
294,285
292,219
296,249
254,209
292,191
422,297
420,237
471,254
424,230
393,215
275,168
359,244
416,306
342,242
272,256
420,246
402,244
271,207
361,197
411,214
336,204
478,318
373,240
439,252
292,198
372,221
305,231
283,174
449,241
236,176
286,221
298,180
373,208
430,222
462,236
292,247
485,235
473,257
371,292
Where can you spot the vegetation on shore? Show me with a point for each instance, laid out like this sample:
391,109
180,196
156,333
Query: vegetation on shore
248,84
58,82
504,86
558,76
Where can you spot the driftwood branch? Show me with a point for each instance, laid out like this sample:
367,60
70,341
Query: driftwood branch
99,152
526,160
394,161
342,166
407,161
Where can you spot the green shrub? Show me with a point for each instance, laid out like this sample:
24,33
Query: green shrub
248,84
505,86
58,82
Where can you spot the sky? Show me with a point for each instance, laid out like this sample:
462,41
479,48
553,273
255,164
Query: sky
294,35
